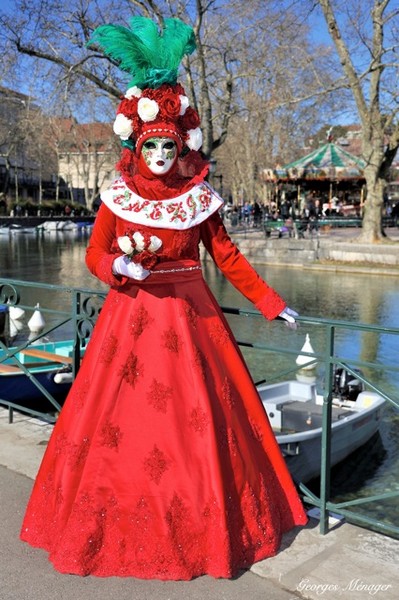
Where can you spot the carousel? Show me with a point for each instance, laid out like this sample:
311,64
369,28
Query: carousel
329,172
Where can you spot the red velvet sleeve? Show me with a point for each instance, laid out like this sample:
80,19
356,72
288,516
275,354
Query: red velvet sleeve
237,269
99,256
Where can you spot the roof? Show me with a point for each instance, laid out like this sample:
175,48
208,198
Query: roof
329,161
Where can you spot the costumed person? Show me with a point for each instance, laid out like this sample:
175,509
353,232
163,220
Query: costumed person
162,463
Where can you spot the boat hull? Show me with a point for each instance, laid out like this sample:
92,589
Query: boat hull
49,369
353,426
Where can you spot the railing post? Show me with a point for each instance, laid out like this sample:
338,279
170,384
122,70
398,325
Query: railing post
76,309
326,433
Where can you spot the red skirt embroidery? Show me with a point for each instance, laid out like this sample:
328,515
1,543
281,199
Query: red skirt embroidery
162,463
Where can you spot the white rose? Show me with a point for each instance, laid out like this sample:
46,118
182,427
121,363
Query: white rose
125,244
155,243
194,141
133,92
184,104
147,109
123,127
138,238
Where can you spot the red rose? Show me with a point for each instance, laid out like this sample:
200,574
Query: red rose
128,108
146,259
170,105
190,119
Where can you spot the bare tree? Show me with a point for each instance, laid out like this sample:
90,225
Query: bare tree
86,154
74,65
253,64
16,116
372,77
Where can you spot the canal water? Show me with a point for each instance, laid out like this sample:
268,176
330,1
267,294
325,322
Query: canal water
58,258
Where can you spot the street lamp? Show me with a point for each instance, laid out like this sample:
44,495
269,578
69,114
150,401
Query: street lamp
212,166
213,176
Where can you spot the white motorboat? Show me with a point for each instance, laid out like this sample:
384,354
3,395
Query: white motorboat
51,226
295,409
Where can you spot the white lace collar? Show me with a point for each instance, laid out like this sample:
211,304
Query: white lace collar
182,212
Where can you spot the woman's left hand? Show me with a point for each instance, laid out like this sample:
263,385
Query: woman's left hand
289,315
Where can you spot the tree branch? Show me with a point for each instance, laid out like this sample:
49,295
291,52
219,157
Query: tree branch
345,59
29,51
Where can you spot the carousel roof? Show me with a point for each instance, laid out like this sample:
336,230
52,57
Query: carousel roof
327,162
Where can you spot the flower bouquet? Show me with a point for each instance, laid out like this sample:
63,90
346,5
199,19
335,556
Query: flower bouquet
140,248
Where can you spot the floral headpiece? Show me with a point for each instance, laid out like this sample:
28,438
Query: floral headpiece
155,105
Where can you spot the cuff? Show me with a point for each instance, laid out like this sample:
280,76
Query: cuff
271,305
104,272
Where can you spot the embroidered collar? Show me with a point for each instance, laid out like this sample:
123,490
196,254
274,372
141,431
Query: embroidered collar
182,212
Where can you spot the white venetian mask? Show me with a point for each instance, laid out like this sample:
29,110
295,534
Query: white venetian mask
159,154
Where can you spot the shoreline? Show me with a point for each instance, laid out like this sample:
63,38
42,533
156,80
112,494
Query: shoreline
333,250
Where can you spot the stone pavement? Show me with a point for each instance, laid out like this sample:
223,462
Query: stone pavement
349,562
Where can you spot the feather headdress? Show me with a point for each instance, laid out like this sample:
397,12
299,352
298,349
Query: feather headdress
155,105
150,55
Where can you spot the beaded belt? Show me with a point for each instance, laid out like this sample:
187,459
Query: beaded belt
179,270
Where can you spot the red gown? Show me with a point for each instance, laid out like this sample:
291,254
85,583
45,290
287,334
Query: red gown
163,464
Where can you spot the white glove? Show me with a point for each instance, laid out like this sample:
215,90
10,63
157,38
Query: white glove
289,316
124,266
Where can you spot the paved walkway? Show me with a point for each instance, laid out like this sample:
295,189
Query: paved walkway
349,562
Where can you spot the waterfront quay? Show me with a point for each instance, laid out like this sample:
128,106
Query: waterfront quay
329,249
349,562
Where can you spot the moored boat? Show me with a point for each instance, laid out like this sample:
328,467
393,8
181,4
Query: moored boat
25,372
295,409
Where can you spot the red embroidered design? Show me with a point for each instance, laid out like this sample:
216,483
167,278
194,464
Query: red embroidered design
199,420
256,430
184,242
61,444
142,516
171,340
59,498
78,453
232,441
192,207
139,321
94,542
159,395
156,464
200,362
205,199
186,210
78,393
227,394
228,440
109,348
132,369
177,515
218,333
212,510
111,435
190,311
47,485
177,212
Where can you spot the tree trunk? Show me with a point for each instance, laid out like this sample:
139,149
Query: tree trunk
372,213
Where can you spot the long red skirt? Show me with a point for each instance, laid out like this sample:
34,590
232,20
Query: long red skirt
162,464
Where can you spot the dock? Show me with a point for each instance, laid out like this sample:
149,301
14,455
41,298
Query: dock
349,562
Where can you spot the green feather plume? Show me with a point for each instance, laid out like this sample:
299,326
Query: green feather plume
151,56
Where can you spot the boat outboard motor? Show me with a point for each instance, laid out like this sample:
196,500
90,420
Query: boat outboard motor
346,385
